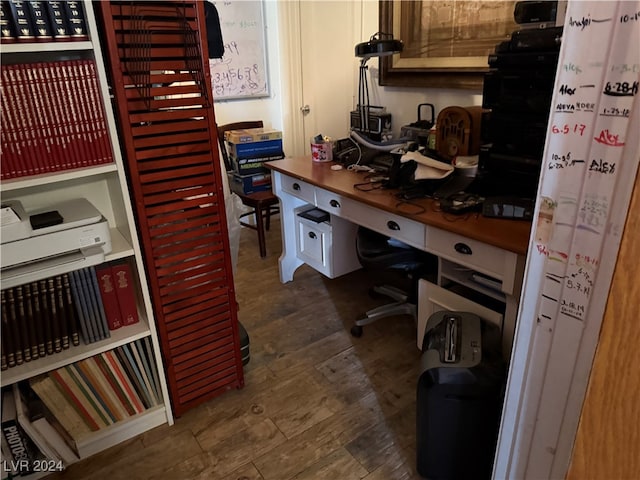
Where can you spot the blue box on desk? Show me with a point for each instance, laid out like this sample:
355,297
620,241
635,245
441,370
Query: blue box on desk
253,165
255,149
246,184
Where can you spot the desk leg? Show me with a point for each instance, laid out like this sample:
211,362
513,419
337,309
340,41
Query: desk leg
289,261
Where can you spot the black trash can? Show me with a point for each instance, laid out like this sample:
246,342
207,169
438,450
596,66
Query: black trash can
459,398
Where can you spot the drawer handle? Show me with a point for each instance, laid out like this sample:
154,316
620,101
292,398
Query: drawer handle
312,235
463,248
334,203
296,186
393,225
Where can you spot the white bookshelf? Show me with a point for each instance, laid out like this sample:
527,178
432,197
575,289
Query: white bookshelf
105,186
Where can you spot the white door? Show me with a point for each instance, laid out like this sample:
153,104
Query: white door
329,32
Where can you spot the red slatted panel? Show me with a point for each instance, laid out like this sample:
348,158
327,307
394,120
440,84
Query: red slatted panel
162,88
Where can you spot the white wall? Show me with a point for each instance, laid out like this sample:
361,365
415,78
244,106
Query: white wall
400,102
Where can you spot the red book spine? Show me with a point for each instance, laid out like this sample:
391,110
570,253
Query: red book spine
68,106
9,145
126,296
31,120
54,93
78,101
48,117
22,115
45,77
37,119
99,115
109,296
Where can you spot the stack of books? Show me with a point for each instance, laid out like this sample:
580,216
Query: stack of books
248,150
48,316
50,21
52,118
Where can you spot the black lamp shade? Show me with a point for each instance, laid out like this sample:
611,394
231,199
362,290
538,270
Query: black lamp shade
378,47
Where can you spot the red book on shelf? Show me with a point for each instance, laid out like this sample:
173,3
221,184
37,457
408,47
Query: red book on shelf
21,118
63,153
32,127
78,102
37,97
126,296
106,281
68,106
9,146
99,115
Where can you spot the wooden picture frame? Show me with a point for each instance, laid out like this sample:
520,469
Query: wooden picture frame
449,54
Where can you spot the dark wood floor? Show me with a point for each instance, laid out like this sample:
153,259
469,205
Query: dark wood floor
317,403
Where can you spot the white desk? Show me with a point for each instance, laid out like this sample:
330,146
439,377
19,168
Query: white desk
464,244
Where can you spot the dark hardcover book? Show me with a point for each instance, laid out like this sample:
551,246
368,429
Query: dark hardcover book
75,17
19,16
38,16
56,16
3,353
92,307
7,332
38,318
70,310
54,316
134,358
25,339
31,323
6,24
81,308
95,288
47,323
14,327
62,313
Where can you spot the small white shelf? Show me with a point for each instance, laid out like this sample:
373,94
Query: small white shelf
121,431
39,47
119,337
120,247
55,177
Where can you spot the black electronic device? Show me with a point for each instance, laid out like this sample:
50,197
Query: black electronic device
315,215
513,208
378,122
535,11
45,219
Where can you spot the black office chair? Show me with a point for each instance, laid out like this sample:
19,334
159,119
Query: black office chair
376,251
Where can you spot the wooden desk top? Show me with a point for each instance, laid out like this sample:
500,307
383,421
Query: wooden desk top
511,235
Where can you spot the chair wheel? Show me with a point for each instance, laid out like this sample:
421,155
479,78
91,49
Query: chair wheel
356,331
373,293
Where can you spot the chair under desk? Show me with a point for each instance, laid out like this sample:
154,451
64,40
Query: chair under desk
481,260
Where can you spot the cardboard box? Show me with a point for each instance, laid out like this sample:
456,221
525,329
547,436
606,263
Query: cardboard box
251,166
255,149
252,135
246,184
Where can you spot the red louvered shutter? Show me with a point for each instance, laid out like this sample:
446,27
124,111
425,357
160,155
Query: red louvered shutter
162,87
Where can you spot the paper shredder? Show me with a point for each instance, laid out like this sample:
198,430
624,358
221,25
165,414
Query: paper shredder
459,397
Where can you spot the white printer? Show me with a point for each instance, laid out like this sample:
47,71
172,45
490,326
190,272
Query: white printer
60,238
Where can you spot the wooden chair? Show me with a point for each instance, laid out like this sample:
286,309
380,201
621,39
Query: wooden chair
263,204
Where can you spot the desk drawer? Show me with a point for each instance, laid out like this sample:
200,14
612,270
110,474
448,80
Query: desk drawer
487,259
395,226
299,189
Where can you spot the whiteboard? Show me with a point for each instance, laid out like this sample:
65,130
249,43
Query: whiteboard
242,71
